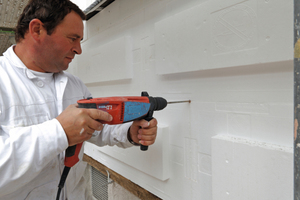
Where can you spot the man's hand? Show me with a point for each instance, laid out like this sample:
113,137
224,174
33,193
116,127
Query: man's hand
143,132
79,124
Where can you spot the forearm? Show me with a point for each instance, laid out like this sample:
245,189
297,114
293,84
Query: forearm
25,151
112,135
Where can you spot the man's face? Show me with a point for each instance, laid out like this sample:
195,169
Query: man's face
57,50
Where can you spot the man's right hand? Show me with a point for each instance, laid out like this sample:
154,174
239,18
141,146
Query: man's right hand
79,124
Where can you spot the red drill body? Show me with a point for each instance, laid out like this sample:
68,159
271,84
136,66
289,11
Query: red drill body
122,109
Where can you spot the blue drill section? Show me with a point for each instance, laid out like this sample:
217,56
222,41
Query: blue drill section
134,110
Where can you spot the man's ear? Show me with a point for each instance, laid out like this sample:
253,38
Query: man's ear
36,29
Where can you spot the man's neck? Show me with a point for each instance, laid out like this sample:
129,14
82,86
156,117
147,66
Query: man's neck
26,55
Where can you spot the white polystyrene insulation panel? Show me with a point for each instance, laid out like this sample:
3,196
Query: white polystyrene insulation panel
233,59
248,169
218,34
154,161
99,63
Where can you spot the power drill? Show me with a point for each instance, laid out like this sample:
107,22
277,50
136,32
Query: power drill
123,110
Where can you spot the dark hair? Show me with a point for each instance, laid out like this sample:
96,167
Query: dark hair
50,12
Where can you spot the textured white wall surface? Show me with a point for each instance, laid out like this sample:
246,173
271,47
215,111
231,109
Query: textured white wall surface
242,169
234,60
117,192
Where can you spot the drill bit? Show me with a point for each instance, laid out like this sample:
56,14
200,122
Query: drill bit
185,101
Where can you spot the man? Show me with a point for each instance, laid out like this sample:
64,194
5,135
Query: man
39,117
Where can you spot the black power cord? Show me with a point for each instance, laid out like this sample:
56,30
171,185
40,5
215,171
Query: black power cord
62,181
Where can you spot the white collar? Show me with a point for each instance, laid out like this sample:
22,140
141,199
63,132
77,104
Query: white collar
16,61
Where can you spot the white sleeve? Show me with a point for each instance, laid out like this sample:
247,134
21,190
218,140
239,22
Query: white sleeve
112,135
25,151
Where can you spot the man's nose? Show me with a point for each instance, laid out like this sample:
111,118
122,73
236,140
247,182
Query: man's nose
77,48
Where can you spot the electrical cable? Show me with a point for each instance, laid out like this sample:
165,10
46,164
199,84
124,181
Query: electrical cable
62,181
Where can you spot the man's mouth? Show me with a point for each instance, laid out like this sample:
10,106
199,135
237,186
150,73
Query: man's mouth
70,58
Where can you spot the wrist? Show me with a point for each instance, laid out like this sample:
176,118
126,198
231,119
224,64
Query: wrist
130,139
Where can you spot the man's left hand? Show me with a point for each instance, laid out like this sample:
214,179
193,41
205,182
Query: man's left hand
143,132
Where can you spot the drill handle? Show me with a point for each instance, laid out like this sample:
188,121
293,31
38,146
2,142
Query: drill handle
72,153
148,118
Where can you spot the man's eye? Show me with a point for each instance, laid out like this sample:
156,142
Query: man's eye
73,39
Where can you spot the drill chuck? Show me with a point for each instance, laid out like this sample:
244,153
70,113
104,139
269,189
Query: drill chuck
158,103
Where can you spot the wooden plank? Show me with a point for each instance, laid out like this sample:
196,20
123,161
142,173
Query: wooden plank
124,182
